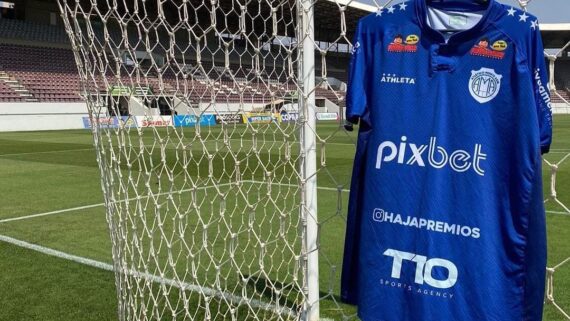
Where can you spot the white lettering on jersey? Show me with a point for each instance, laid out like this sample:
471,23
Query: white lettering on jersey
380,215
438,157
424,268
544,94
541,89
393,79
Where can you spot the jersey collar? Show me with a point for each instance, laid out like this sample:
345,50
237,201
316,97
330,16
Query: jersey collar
456,5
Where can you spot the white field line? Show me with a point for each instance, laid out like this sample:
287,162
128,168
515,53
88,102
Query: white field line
47,152
84,149
146,196
98,204
348,190
269,142
260,142
184,190
234,299
552,151
558,213
293,185
50,213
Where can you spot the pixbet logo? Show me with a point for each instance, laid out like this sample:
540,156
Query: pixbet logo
189,120
437,156
424,268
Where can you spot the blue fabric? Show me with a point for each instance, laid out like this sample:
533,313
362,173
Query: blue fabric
445,219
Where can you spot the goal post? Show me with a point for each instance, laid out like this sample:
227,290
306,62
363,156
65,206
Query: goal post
308,165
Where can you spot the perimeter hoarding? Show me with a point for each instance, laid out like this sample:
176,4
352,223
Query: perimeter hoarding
229,119
154,121
111,122
104,122
151,121
192,120
285,117
128,121
260,118
327,116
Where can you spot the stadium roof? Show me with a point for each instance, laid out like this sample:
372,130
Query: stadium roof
555,35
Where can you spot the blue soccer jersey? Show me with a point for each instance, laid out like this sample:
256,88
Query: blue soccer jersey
446,220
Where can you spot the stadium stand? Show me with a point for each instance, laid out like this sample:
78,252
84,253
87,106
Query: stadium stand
48,74
7,94
560,96
33,32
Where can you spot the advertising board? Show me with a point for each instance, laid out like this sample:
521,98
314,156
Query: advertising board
327,116
286,117
191,120
154,121
259,118
229,118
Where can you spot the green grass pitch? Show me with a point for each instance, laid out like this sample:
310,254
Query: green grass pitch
42,172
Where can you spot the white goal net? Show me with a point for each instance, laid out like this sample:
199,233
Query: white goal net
211,121
198,111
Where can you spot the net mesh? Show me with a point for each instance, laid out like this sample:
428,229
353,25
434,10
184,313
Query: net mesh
200,114
204,212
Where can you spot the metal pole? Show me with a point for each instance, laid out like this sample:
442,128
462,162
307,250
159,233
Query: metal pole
552,61
309,161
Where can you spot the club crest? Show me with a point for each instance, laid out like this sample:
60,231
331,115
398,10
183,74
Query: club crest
484,84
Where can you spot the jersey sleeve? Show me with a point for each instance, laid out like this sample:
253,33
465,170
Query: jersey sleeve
541,89
356,93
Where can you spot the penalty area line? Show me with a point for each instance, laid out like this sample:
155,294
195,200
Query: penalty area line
50,213
558,213
324,188
78,208
47,152
205,291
